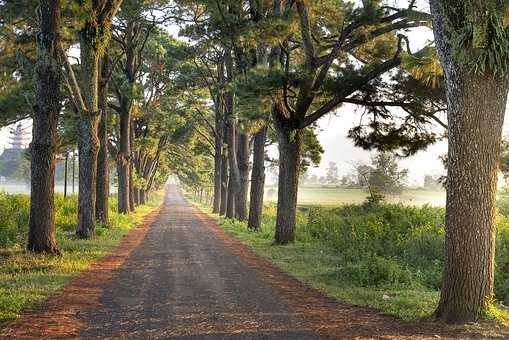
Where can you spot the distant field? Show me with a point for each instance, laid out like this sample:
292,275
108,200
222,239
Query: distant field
335,196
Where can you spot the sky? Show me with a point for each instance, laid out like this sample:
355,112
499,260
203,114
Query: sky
333,131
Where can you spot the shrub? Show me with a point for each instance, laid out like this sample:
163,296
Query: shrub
413,234
377,271
394,244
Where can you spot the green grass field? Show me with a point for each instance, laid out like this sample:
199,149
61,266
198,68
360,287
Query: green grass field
331,196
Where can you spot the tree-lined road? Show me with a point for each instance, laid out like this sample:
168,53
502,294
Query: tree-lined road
182,282
180,276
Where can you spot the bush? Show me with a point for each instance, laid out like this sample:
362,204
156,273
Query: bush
412,234
394,244
377,271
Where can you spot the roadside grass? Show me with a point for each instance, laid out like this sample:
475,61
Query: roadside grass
26,279
388,256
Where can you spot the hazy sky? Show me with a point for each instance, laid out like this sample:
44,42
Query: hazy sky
334,127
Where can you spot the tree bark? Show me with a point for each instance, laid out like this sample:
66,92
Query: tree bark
218,157
476,108
230,201
143,197
290,149
136,195
257,181
103,174
132,203
88,142
123,159
243,154
224,184
41,236
234,176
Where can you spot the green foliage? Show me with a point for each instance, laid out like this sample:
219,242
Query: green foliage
385,176
480,35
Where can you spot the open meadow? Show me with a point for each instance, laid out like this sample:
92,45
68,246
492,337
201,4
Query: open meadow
333,196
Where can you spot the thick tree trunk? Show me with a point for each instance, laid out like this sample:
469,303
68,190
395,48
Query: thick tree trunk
103,174
123,160
243,153
41,236
88,145
290,148
224,184
257,181
476,108
88,142
475,130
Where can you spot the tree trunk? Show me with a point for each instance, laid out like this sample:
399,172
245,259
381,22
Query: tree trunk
88,142
143,197
290,148
136,195
218,156
476,107
132,203
229,102
41,236
475,130
123,160
234,176
257,181
224,184
65,173
230,201
103,174
73,171
243,154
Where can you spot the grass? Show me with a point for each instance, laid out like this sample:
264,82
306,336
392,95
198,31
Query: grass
27,279
333,196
